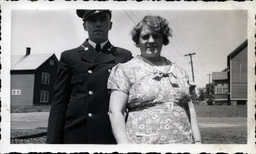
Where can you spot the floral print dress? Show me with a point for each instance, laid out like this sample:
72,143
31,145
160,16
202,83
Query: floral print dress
154,117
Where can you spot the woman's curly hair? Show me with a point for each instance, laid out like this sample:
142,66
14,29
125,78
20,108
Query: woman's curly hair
157,23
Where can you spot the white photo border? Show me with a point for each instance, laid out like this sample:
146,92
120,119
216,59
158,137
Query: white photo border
8,6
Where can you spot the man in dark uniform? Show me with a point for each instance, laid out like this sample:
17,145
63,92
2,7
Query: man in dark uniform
79,112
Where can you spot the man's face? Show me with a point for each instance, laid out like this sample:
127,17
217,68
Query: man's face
98,26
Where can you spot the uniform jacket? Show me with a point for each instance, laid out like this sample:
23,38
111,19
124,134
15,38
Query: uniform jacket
79,111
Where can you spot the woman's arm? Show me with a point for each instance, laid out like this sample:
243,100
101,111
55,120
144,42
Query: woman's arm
194,123
117,106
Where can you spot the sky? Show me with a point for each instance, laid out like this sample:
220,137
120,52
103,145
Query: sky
211,34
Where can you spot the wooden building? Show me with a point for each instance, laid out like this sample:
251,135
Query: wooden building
221,87
32,78
231,83
238,64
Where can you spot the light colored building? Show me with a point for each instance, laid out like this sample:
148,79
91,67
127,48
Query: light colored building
230,85
221,87
237,64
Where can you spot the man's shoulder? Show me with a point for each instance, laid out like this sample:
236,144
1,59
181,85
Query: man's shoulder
122,55
72,51
122,50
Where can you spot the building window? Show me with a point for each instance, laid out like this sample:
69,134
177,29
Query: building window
221,88
52,62
225,88
45,78
44,96
16,91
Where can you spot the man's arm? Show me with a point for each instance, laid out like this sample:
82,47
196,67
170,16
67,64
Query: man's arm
60,102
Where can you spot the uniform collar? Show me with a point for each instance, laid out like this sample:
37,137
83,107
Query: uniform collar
108,47
95,57
93,44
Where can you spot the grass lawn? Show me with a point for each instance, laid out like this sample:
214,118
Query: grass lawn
23,132
228,135
202,111
220,135
24,109
237,135
221,111
39,139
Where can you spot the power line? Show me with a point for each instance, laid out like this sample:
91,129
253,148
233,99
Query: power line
198,77
129,15
183,43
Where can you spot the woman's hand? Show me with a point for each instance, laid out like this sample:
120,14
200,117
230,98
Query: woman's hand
197,142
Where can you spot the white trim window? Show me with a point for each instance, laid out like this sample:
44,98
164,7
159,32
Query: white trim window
44,96
45,78
16,91
221,88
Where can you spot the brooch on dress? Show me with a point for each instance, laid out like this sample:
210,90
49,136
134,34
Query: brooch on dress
160,75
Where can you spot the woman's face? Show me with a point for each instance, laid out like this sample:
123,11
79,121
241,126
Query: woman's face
150,42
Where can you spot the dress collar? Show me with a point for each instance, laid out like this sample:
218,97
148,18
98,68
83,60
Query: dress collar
168,68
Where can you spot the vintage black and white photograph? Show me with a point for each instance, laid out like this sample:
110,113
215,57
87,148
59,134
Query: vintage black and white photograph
124,78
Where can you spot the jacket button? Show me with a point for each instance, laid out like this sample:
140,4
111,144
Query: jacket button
90,71
90,115
90,92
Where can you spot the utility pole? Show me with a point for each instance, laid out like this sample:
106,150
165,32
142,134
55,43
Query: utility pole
209,78
191,62
209,86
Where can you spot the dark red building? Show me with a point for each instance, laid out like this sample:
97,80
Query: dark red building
32,78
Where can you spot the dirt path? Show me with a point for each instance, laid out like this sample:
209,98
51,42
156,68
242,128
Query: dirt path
34,120
30,120
214,122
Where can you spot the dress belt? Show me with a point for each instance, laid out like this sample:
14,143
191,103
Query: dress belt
138,106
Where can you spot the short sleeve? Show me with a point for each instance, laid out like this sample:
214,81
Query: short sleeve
118,79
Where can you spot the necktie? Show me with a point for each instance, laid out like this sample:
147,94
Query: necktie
98,48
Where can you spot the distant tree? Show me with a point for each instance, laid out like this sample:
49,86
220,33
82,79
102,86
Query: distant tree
201,94
209,90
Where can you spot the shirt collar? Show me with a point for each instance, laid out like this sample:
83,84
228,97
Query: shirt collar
93,44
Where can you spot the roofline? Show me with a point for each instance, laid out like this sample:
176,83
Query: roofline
47,59
18,70
30,71
225,70
236,51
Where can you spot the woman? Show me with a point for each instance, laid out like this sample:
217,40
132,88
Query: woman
154,90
